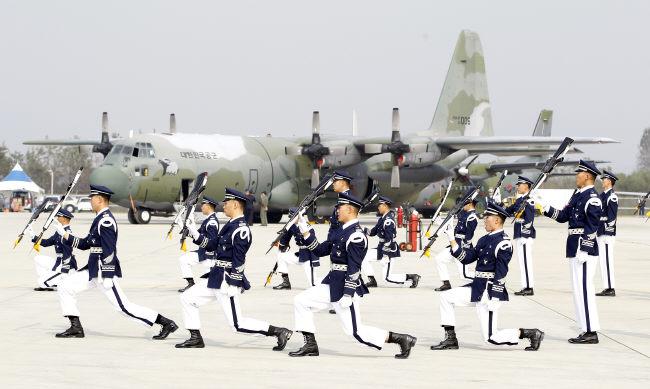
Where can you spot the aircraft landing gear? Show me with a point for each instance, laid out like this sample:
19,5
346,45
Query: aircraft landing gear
140,216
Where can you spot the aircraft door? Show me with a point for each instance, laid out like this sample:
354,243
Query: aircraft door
186,187
252,180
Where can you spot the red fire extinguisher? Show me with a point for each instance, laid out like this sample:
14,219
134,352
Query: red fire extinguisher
414,232
400,217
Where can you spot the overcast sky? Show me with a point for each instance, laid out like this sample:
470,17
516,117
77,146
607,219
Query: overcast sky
242,67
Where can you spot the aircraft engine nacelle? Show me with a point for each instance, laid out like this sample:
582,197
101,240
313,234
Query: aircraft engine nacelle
422,159
342,157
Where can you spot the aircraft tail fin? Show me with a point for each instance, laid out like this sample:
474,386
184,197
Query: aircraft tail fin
464,104
544,123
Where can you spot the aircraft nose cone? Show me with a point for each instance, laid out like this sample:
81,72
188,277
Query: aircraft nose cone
112,178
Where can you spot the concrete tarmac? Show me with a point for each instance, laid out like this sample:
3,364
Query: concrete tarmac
117,352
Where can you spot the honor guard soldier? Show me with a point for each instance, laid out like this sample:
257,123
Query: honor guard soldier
226,280
303,257
210,229
487,290
607,233
102,271
386,231
524,236
464,232
342,288
583,215
341,184
52,271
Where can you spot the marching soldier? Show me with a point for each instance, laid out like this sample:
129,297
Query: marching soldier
51,271
209,228
583,215
524,236
487,290
464,232
386,231
102,271
226,280
342,288
303,257
607,233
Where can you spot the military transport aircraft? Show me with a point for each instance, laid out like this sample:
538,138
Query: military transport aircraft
151,172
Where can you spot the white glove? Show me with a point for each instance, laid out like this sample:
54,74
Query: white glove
59,228
194,233
448,230
295,219
303,225
30,232
538,199
107,283
497,196
233,291
345,301
582,256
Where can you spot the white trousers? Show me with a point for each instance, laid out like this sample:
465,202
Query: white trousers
188,260
387,268
317,299
78,282
486,309
444,258
288,258
46,277
584,295
606,255
524,250
200,294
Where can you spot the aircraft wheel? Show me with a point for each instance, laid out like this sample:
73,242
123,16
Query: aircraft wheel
131,217
143,216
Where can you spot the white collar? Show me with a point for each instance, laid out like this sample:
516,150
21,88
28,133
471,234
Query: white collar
496,232
102,210
607,190
584,188
211,213
522,195
351,222
235,218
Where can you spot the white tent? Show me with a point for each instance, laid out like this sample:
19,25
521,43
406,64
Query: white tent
18,180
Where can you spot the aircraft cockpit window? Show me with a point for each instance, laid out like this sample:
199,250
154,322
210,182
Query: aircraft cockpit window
127,150
116,149
150,153
135,152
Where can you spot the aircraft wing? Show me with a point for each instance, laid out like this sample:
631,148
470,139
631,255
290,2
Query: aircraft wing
517,166
630,194
514,144
62,142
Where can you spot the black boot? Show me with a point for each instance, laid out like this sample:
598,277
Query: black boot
415,279
309,349
610,292
585,338
450,342
332,312
536,336
405,342
286,284
167,327
75,330
190,283
445,286
47,289
372,282
195,341
283,335
525,292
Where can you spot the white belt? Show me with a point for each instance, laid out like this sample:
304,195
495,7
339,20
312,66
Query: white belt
519,220
302,247
209,253
483,274
381,240
603,219
336,266
576,231
96,250
224,264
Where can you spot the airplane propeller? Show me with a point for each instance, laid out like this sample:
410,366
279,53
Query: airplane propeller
105,145
314,150
396,148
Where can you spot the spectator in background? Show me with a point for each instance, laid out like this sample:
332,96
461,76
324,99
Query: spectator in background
264,207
